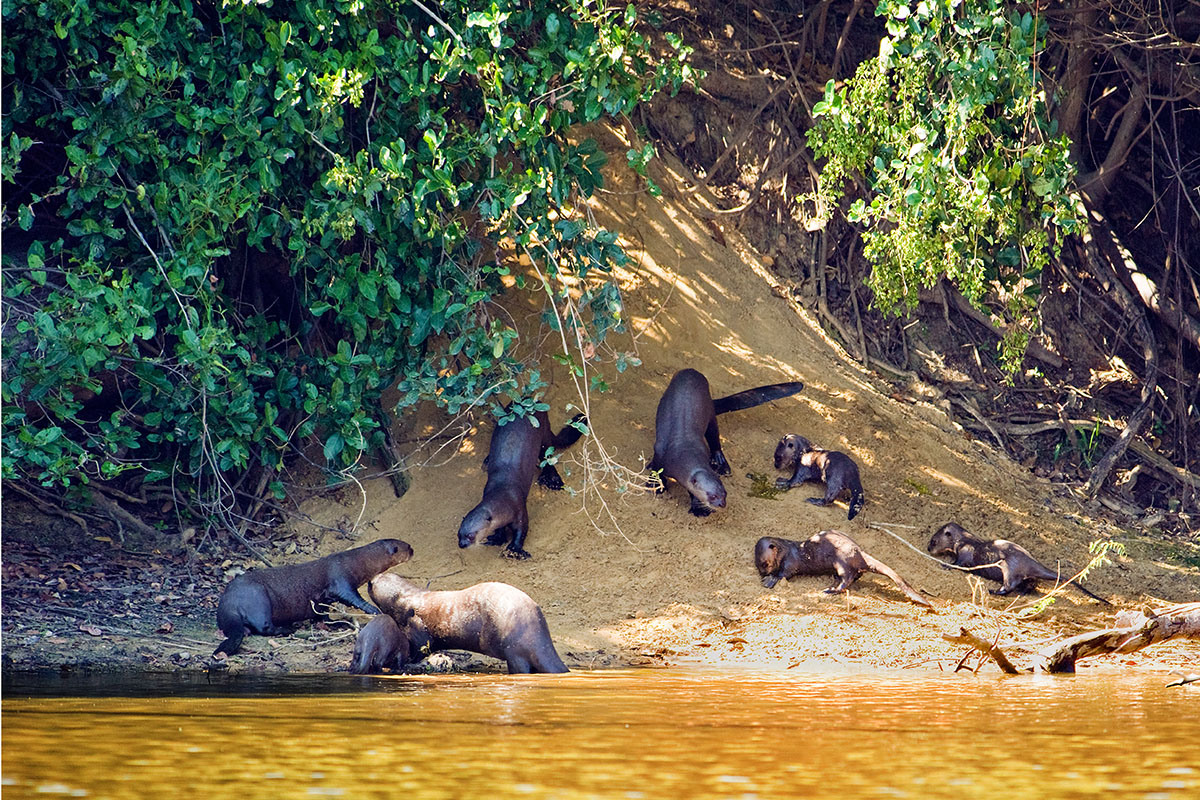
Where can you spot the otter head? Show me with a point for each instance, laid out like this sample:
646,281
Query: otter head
363,563
482,520
946,541
789,450
396,551
388,591
706,487
768,558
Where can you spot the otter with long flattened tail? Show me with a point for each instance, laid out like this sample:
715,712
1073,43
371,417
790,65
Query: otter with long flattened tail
687,442
269,601
495,619
828,552
515,454
999,560
837,470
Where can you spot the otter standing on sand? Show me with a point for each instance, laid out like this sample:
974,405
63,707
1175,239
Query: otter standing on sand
514,455
825,553
380,645
837,470
687,442
495,619
269,601
1000,560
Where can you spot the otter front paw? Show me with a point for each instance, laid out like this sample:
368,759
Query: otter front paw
498,538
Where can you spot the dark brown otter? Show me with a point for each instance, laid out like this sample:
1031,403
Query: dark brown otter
837,470
270,601
825,553
380,645
687,442
997,560
517,450
495,619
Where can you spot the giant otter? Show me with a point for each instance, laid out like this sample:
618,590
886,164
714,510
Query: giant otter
837,470
687,442
514,455
495,619
269,601
822,554
380,645
997,560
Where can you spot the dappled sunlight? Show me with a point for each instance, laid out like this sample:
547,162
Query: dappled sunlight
961,486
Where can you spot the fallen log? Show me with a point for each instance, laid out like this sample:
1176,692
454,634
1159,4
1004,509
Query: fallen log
1137,630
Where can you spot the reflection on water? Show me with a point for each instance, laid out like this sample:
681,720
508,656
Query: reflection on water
623,734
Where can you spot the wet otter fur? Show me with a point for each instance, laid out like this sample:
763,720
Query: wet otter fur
835,469
828,552
999,560
495,619
270,601
516,450
380,645
687,441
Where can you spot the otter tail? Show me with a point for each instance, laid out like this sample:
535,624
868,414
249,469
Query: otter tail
856,503
233,643
877,566
1079,586
570,433
756,396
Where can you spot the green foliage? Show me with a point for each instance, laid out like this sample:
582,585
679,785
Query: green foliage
949,129
239,224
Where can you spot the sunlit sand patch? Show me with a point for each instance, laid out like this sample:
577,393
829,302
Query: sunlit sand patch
955,483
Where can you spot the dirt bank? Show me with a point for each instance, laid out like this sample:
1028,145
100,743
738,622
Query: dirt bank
632,578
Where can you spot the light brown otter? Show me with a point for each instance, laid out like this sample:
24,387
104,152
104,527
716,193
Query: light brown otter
837,470
828,552
495,619
270,601
999,560
380,645
687,441
515,454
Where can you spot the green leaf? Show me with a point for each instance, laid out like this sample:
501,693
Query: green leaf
334,446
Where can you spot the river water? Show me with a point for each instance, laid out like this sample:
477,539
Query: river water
678,733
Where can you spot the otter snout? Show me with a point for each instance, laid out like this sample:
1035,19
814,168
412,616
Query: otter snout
479,520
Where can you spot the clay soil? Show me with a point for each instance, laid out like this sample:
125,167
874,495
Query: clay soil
629,578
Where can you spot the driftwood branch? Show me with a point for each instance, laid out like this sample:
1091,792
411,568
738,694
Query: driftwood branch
984,646
1136,631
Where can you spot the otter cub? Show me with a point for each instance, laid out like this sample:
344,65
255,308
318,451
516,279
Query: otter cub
826,552
997,560
837,470
381,644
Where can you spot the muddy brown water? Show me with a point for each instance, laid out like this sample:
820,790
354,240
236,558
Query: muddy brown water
621,734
